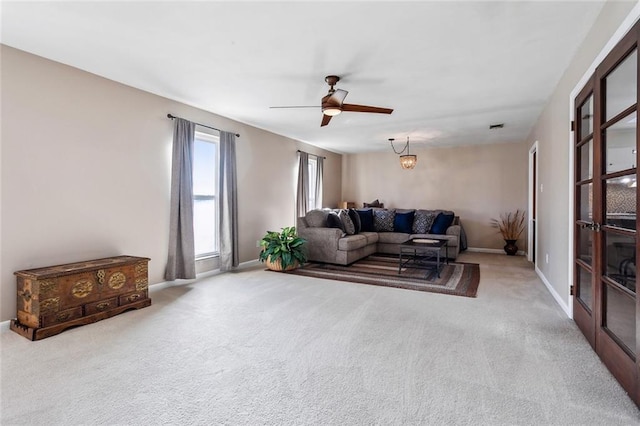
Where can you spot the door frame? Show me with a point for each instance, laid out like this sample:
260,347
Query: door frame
623,29
532,243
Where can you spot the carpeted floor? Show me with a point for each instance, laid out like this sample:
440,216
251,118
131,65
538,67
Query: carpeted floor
460,279
256,347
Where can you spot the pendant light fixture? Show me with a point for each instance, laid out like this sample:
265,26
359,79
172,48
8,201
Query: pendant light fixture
408,160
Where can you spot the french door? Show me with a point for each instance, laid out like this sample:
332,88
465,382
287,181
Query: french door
605,305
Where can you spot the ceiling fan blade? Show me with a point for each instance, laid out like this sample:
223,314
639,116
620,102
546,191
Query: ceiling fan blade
325,120
337,97
365,108
298,106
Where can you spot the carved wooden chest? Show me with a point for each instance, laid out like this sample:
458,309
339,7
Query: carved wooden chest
55,298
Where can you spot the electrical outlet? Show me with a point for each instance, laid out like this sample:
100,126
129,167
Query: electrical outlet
541,187
546,257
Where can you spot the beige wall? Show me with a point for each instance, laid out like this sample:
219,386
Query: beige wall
554,144
477,182
85,166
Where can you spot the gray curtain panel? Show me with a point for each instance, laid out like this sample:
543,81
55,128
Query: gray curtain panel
302,195
228,202
319,172
181,262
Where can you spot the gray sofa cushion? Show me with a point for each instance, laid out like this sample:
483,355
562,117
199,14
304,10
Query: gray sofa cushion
317,218
392,237
352,242
383,220
372,237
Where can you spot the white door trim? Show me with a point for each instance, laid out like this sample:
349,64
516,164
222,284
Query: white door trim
533,209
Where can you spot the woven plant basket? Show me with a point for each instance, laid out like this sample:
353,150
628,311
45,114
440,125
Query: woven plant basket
277,265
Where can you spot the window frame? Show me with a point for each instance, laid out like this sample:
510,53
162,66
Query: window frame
199,137
312,167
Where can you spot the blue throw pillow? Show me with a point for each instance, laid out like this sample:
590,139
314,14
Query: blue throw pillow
403,222
442,222
366,220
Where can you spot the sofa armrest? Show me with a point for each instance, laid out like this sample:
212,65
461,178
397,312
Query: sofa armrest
454,230
322,243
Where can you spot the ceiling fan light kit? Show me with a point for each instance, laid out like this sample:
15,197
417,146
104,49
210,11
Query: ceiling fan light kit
333,103
331,111
407,161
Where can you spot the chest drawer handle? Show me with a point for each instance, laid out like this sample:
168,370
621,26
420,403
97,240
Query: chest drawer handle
63,316
102,306
26,295
133,297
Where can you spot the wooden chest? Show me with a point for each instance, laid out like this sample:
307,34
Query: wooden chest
55,298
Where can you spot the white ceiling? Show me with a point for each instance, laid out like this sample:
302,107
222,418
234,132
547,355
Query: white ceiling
449,69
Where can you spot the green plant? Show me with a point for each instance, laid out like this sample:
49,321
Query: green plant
285,245
511,225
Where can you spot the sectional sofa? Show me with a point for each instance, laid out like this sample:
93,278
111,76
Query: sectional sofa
331,240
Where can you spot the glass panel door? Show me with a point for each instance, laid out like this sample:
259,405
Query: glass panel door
606,307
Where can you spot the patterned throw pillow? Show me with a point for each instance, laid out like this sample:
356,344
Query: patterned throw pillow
423,220
347,223
383,220
355,218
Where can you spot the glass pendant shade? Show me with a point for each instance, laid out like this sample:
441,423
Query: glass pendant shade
408,161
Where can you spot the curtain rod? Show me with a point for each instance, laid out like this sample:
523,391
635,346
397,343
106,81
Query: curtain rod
308,153
203,125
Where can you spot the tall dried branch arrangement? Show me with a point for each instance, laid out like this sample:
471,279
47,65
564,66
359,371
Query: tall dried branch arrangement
511,225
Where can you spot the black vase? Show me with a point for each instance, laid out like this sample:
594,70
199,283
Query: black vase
511,248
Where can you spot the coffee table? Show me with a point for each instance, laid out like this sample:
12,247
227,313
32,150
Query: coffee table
422,253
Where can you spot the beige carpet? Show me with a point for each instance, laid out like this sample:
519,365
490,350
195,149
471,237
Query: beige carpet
255,347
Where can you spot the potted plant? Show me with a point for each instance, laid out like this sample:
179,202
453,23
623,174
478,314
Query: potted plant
282,251
511,225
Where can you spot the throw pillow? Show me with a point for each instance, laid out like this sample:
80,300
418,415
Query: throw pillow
355,218
366,220
317,218
383,220
423,220
442,222
333,221
403,222
347,223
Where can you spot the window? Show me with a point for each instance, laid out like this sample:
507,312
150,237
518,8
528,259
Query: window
313,173
205,189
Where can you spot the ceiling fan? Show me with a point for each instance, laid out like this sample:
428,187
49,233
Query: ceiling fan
333,103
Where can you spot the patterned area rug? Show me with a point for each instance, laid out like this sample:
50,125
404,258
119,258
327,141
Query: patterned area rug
460,279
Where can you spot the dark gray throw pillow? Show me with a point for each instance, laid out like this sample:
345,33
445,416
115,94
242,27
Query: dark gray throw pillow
355,218
333,221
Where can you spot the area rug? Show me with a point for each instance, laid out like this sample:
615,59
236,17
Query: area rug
459,279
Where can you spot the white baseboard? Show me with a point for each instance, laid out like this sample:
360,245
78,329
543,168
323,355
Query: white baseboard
202,275
490,250
554,293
